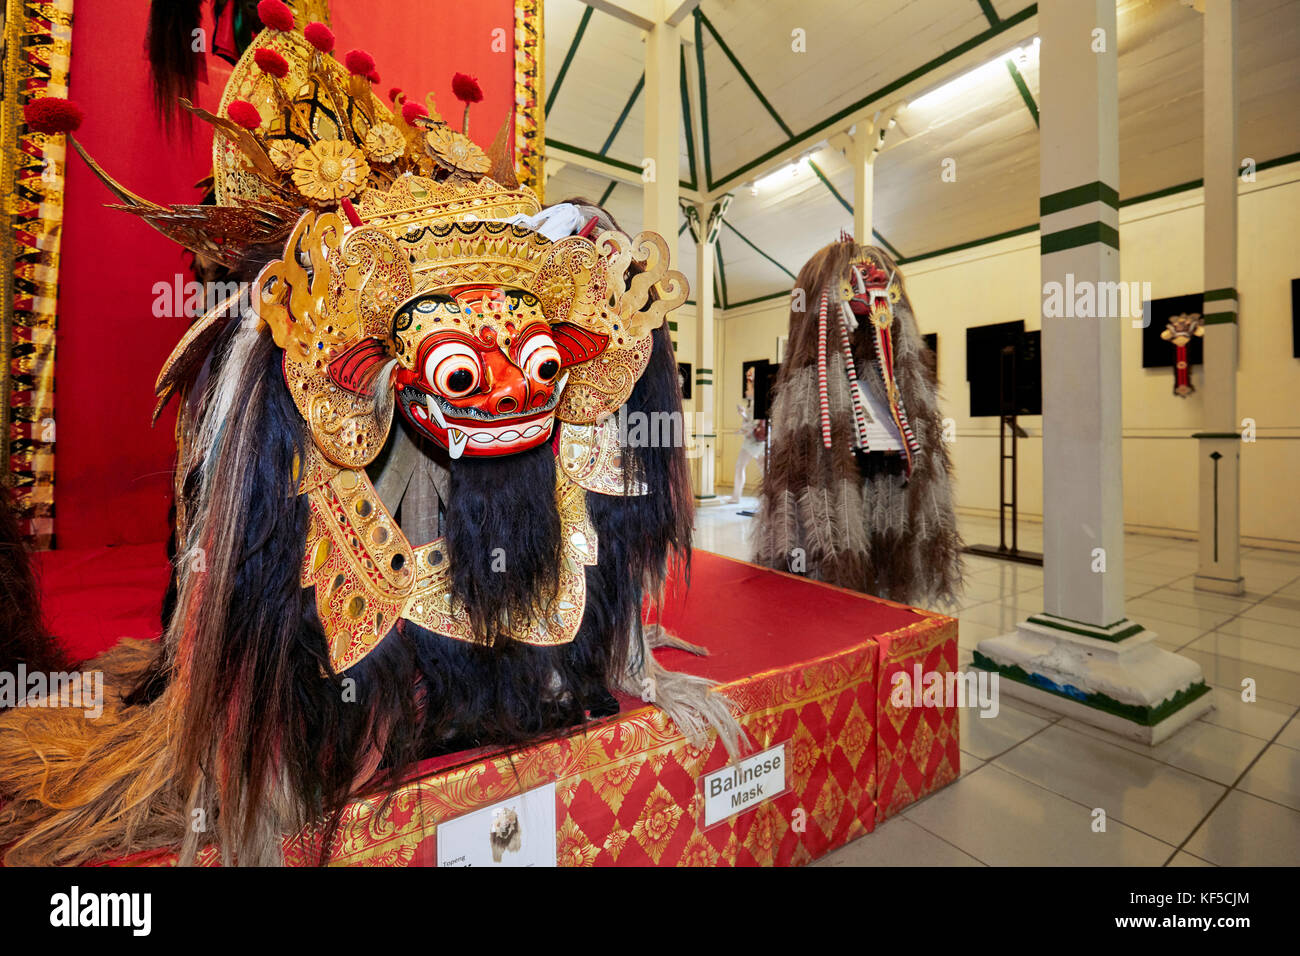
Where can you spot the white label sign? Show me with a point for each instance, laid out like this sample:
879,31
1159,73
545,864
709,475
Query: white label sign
742,786
519,831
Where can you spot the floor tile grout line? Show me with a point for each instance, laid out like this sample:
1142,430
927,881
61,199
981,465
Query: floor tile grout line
1166,764
1032,783
1241,776
903,816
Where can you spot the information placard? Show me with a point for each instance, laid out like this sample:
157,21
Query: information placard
744,785
519,831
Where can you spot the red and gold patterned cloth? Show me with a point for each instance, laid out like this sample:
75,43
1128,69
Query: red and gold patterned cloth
809,664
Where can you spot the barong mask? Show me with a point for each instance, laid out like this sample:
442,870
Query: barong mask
394,265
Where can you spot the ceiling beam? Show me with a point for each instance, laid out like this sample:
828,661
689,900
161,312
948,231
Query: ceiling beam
980,48
568,58
691,89
1023,87
679,10
593,162
639,13
606,166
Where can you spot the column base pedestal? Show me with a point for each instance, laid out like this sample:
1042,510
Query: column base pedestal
1208,582
1115,677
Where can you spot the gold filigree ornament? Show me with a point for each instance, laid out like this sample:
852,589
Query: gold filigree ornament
624,292
330,170
340,301
284,153
385,143
457,152
592,456
366,573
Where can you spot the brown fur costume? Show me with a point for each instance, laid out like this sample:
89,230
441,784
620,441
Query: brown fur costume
891,536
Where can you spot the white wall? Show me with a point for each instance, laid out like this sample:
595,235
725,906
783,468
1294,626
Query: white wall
1160,243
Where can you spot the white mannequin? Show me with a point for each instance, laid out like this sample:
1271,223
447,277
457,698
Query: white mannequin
751,449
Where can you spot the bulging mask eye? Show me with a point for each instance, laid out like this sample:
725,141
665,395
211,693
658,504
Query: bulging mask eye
539,358
453,369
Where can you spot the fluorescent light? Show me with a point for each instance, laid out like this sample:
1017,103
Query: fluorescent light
973,78
783,175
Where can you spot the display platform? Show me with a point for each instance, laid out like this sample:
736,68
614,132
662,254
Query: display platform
810,666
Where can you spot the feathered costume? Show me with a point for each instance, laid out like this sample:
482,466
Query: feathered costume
356,590
828,507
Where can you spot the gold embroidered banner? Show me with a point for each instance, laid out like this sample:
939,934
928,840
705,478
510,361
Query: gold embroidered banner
530,115
38,43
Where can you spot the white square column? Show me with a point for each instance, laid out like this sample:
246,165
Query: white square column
1219,452
1082,656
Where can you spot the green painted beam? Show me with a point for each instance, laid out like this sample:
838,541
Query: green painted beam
849,206
592,155
830,122
831,186
568,57
722,271
989,13
1130,201
622,117
1023,87
704,98
970,245
744,75
609,190
898,256
762,298
688,120
745,239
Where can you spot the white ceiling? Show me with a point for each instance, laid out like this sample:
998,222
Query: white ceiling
855,48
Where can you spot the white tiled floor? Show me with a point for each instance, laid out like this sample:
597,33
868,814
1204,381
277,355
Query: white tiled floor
1223,791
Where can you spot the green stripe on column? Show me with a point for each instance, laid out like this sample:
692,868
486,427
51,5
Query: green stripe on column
672,325
1218,295
1083,235
705,371
1078,196
1219,318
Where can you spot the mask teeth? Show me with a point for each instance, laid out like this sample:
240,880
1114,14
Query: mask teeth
456,442
435,411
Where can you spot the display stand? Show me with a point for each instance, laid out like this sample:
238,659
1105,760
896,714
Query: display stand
1009,430
813,670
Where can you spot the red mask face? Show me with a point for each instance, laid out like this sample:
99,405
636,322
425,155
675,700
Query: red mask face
867,282
487,373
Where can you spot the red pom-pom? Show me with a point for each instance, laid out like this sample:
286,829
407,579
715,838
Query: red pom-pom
466,88
359,63
373,77
244,114
319,36
53,114
275,15
394,93
268,61
412,111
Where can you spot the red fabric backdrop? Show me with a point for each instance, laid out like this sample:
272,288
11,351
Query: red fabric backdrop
112,483
419,44
112,477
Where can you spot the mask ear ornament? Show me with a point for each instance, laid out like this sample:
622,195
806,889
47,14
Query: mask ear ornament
327,302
